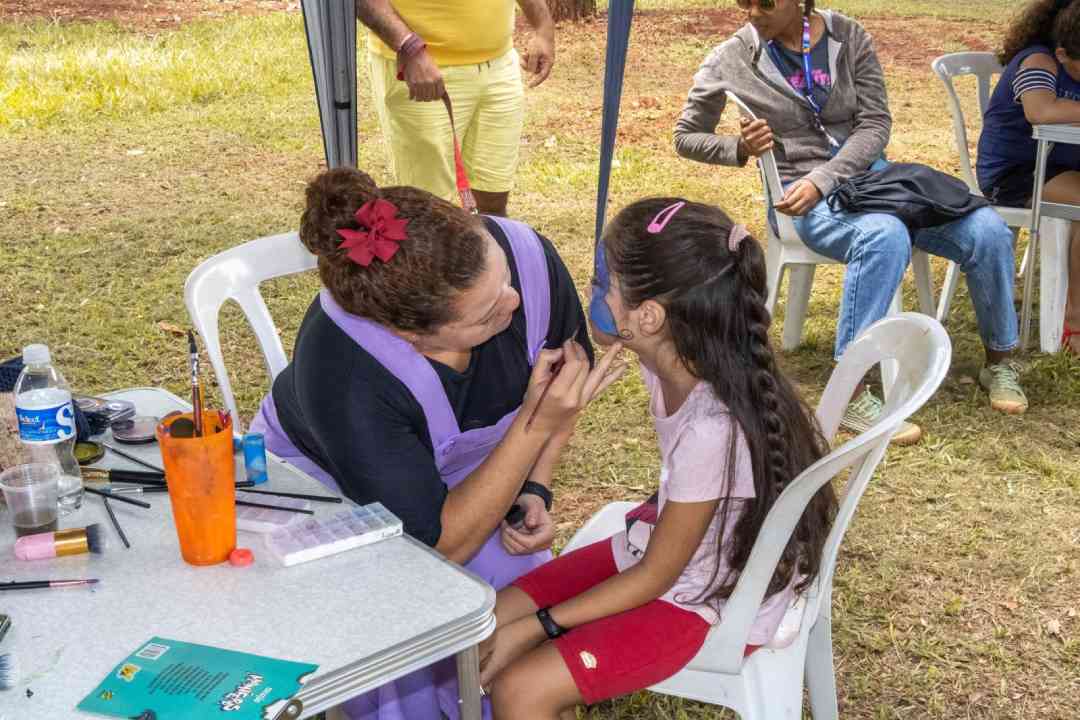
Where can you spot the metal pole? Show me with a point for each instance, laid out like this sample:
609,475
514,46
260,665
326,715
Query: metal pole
1041,154
620,15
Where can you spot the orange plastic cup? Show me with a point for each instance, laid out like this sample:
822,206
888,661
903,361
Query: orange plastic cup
201,475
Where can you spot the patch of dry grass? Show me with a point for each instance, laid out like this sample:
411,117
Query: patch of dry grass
956,592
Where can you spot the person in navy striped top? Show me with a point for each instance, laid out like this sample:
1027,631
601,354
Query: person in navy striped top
1040,85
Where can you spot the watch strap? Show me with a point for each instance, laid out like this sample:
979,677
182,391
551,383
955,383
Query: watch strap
552,628
535,488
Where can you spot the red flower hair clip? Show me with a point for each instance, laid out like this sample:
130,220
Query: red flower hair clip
380,234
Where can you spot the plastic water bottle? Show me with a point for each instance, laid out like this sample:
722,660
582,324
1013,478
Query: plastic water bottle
47,422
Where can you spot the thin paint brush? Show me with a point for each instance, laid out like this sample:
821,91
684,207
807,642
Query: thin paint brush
118,498
101,475
9,670
157,489
132,458
36,584
275,507
196,391
297,496
115,523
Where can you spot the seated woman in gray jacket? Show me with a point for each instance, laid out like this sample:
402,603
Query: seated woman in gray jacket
814,81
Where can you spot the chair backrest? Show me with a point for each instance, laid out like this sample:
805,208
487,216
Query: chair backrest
983,65
770,179
921,348
235,275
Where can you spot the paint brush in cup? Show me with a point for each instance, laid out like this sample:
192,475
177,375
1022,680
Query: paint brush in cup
196,390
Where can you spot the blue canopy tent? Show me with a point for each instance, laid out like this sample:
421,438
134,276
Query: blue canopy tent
620,14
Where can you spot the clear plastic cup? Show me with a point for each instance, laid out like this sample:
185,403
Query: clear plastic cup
30,492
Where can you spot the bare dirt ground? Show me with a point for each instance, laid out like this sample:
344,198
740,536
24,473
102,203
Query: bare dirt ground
904,41
137,13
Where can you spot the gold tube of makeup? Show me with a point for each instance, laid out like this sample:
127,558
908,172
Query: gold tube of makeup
71,542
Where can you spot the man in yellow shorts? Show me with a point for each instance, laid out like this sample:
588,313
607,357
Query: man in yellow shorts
464,48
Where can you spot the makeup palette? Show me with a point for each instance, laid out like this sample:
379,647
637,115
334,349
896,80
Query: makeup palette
315,538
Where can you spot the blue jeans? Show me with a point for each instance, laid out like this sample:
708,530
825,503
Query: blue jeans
877,249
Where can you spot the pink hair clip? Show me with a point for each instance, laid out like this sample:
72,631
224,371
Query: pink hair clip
661,220
737,235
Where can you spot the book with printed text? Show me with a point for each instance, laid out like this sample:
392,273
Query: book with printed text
168,680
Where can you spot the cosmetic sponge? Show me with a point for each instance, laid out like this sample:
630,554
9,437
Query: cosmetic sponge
241,557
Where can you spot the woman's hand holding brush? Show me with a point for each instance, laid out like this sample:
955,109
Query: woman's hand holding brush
562,384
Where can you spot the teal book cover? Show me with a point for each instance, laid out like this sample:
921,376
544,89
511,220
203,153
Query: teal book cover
169,679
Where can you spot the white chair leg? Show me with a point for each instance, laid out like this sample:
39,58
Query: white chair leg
774,271
1025,262
1053,282
820,674
952,277
920,264
890,368
799,285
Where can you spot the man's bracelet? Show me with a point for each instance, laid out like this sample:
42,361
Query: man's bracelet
410,47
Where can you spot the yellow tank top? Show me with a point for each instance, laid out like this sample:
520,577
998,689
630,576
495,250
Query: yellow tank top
457,32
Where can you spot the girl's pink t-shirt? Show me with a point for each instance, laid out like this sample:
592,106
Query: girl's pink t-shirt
693,447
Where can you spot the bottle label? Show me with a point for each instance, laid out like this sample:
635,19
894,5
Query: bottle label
45,426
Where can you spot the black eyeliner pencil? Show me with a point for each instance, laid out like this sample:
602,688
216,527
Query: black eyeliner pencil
274,507
132,458
297,496
115,522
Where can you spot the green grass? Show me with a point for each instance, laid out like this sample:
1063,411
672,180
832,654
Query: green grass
130,156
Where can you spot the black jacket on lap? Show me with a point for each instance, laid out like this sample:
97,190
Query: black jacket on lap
919,195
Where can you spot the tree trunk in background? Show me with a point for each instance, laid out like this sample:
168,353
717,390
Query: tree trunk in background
571,9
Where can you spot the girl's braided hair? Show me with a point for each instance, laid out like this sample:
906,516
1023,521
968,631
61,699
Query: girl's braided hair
714,300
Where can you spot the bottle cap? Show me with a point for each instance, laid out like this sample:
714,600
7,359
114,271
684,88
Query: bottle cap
36,354
241,557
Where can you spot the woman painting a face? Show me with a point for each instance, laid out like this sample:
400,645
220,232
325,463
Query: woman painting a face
413,377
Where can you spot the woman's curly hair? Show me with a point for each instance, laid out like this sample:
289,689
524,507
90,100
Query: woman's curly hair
1054,23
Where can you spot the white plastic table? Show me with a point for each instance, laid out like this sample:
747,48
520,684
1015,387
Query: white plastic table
366,616
1045,137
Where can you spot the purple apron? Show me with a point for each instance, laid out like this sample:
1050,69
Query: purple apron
424,693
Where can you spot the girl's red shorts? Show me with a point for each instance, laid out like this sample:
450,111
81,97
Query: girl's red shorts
619,654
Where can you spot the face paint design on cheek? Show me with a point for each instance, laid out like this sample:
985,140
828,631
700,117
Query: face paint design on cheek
599,311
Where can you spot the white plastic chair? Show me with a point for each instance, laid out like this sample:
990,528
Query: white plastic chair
768,685
1054,253
235,275
788,251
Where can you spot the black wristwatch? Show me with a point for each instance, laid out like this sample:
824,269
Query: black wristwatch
552,628
535,488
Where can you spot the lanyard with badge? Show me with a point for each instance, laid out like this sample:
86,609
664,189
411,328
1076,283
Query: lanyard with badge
807,90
